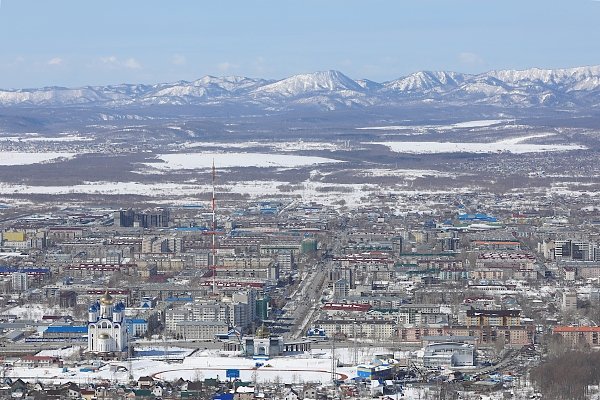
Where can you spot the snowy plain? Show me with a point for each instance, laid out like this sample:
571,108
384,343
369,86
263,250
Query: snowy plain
459,125
27,158
511,146
313,366
187,161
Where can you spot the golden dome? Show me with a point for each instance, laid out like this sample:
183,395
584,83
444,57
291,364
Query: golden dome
106,299
262,332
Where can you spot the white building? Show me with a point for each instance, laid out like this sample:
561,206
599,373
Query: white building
448,351
200,330
107,330
19,281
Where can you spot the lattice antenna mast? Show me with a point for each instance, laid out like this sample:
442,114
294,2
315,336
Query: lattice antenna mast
333,360
214,230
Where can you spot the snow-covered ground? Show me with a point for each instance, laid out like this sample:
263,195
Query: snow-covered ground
62,353
310,191
314,366
27,158
33,311
65,138
510,145
298,145
183,161
408,174
459,125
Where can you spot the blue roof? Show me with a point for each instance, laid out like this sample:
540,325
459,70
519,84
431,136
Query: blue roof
47,270
136,321
6,269
223,396
477,217
67,329
186,299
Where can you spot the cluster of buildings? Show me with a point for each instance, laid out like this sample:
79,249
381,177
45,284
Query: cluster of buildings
447,282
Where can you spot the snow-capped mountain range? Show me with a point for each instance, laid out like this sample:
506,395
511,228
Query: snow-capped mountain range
573,87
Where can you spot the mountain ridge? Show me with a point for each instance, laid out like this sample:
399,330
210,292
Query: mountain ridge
569,87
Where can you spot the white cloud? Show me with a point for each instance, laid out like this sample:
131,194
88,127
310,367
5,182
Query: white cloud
109,59
114,62
55,61
178,59
132,63
260,65
226,66
470,59
15,62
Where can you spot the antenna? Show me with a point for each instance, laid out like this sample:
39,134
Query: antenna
214,231
333,360
355,344
129,354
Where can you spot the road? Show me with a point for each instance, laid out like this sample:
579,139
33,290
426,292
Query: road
305,301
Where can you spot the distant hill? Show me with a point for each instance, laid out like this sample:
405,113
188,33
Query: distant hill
329,90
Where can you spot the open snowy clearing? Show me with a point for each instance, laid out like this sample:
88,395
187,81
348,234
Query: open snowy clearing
314,366
460,125
25,158
336,195
298,145
510,146
409,174
33,311
65,352
187,161
309,191
45,139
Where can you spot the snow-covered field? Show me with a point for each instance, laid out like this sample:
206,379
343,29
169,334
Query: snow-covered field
510,145
183,161
353,195
27,158
33,311
65,138
62,353
460,125
298,145
314,366
167,191
408,174
309,367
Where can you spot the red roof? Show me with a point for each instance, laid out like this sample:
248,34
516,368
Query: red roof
39,358
347,307
560,329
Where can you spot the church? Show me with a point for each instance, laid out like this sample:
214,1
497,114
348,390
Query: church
107,331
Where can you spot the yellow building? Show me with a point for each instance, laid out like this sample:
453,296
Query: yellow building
15,236
493,317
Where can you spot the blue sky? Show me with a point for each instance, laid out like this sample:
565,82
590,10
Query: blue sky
81,42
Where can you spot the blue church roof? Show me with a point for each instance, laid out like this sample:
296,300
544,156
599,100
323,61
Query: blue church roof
67,329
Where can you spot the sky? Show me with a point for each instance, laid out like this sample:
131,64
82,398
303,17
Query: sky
88,42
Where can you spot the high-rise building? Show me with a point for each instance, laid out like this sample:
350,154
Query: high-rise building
19,281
